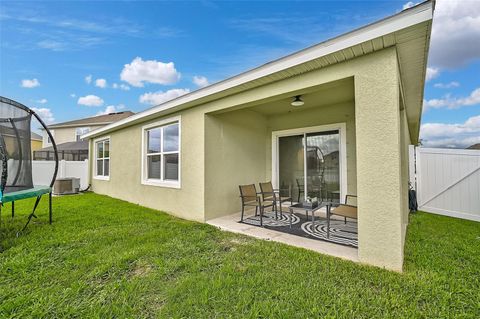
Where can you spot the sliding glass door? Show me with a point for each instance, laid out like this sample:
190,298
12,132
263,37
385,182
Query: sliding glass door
309,165
291,162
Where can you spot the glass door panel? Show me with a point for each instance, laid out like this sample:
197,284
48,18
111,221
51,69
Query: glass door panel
323,165
291,165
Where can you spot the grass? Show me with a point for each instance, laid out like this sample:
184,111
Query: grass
105,258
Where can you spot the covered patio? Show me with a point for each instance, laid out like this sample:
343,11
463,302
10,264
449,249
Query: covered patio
348,138
307,151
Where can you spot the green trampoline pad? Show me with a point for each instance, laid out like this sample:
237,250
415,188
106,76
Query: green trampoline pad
26,193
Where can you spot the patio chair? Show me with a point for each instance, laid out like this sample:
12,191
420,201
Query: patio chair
269,194
250,197
16,157
343,210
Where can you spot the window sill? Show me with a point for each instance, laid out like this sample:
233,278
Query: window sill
159,183
102,178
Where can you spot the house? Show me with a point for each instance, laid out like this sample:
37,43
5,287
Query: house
37,141
9,137
474,147
67,136
362,91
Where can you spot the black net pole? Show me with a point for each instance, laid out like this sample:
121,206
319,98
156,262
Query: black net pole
3,158
20,152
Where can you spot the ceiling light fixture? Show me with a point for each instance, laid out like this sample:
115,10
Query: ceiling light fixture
297,101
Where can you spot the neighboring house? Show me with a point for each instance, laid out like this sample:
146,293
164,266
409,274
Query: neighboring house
365,89
35,139
67,136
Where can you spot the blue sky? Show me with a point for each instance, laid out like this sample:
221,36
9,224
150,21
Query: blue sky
76,59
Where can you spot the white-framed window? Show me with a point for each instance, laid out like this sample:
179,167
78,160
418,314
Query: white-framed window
79,131
161,153
102,159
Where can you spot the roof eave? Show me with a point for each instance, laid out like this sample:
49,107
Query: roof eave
54,126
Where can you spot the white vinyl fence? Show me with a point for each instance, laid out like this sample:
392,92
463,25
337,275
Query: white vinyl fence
43,171
447,181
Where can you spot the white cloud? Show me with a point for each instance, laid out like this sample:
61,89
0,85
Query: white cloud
432,73
101,83
458,135
409,5
90,100
450,102
42,101
450,85
150,71
455,33
200,81
73,95
45,114
30,83
52,45
161,97
111,109
88,79
122,86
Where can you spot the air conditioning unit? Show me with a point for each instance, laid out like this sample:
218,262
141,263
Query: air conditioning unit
67,185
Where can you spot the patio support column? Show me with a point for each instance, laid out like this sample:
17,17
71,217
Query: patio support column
378,151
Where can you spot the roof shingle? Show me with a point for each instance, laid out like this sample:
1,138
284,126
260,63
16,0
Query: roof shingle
94,120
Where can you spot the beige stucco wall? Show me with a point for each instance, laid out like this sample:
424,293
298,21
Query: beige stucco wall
379,181
223,149
234,155
125,170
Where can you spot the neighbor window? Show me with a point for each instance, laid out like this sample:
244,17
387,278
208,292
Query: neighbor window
49,140
162,153
80,131
102,158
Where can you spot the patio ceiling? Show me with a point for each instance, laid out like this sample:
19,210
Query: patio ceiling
328,94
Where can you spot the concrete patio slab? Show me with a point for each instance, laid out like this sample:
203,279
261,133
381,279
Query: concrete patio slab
231,223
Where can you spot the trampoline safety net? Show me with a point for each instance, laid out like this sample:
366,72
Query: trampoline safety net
15,145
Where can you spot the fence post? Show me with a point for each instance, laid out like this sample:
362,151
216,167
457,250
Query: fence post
63,168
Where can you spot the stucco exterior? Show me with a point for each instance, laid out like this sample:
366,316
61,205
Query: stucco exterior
228,142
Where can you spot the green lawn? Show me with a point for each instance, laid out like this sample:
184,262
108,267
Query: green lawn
105,258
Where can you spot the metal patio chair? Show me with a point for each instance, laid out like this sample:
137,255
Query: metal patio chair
344,210
250,197
269,194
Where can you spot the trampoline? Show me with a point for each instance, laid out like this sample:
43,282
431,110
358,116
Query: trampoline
16,157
